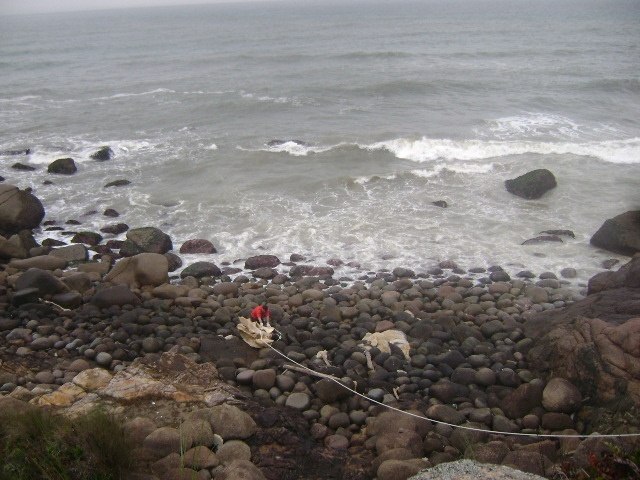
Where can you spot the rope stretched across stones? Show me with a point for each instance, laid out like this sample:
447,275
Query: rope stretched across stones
462,427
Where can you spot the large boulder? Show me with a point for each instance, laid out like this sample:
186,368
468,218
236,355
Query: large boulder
63,166
532,184
201,269
146,239
620,234
19,210
260,261
142,269
603,359
43,280
118,295
197,245
104,153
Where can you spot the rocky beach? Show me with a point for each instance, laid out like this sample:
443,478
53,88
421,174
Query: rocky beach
531,366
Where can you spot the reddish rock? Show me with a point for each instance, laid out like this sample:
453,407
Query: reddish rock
198,245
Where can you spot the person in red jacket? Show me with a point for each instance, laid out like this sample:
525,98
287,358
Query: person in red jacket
261,314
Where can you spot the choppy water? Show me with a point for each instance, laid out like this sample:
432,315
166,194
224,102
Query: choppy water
398,105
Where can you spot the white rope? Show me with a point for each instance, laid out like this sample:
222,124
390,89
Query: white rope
463,427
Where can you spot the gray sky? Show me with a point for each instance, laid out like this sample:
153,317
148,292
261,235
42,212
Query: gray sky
43,6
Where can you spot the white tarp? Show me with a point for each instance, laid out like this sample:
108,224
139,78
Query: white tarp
254,333
384,340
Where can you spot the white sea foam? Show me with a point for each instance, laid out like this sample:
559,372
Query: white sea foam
373,178
213,146
125,95
430,149
23,98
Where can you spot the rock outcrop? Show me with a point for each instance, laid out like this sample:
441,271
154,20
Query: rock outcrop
620,234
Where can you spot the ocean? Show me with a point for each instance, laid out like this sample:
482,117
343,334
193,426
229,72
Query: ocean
380,108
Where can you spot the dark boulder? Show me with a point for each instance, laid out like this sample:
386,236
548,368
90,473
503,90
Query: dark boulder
197,245
440,203
310,271
115,229
175,262
146,239
260,261
201,269
104,153
118,295
19,210
118,183
110,212
23,167
63,166
542,239
88,238
44,281
12,153
532,184
620,234
565,233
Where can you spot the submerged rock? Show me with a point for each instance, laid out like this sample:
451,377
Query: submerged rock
531,185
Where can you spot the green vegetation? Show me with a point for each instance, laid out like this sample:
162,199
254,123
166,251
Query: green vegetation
39,445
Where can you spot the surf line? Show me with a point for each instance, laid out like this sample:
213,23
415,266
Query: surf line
462,427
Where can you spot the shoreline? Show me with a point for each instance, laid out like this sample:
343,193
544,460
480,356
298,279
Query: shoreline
468,361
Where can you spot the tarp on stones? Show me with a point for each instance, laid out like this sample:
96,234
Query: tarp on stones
255,334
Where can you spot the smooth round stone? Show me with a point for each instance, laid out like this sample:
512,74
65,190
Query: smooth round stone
485,377
264,379
245,377
285,383
376,394
358,417
103,359
336,442
318,431
340,419
568,273
45,377
298,400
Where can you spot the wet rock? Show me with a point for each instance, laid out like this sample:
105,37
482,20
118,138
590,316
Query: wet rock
118,295
19,210
522,400
200,457
43,262
23,167
163,441
115,228
543,239
261,261
146,240
233,450
63,166
531,185
440,203
560,395
240,469
102,154
565,233
198,245
71,253
110,212
527,461
43,280
231,423
299,401
201,269
142,269
118,183
88,238
620,234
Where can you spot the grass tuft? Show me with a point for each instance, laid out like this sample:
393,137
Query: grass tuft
40,445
